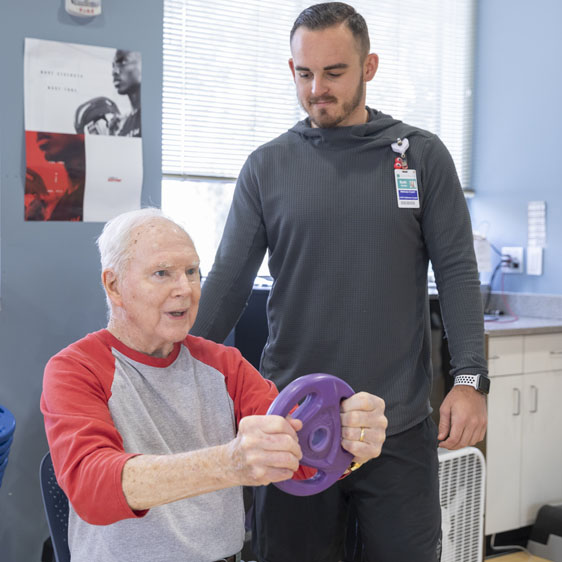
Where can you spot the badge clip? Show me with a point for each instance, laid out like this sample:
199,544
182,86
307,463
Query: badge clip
400,147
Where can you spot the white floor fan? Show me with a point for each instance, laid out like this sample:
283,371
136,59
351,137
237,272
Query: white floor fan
461,493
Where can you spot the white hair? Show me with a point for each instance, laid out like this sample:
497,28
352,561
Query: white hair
114,243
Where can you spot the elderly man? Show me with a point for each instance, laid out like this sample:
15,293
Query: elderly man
152,431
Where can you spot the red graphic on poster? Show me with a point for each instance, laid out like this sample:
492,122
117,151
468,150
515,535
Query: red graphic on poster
55,176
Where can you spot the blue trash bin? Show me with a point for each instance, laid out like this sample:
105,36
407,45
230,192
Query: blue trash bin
7,428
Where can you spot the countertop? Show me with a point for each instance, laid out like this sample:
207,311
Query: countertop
521,326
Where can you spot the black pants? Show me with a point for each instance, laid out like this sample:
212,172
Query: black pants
395,498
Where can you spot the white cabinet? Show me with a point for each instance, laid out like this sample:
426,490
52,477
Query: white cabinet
503,454
542,353
524,437
505,355
541,446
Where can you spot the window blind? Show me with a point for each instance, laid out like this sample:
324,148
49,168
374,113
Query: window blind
228,87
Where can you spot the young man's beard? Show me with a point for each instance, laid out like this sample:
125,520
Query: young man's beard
326,121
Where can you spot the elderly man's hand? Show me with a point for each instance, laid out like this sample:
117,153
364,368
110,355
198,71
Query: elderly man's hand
265,450
363,426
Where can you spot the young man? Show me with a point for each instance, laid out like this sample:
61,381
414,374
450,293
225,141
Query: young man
152,431
349,247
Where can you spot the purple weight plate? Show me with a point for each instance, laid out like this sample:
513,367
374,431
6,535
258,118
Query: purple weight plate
320,436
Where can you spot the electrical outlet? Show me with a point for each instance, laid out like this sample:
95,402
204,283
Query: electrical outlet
512,259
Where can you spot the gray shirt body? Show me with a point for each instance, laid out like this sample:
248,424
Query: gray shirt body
182,407
349,296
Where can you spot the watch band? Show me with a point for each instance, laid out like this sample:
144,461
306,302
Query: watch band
480,382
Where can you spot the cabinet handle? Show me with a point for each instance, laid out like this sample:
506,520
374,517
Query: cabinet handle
493,357
556,353
534,399
516,402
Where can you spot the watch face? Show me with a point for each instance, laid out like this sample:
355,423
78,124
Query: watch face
483,384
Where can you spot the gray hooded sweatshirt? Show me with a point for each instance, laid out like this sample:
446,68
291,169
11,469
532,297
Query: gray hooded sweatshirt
349,265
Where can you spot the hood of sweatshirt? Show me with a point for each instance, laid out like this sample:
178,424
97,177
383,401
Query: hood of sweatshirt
379,130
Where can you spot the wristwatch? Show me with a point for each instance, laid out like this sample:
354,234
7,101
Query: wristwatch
480,382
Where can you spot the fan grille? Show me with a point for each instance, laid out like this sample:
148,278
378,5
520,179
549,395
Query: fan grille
461,493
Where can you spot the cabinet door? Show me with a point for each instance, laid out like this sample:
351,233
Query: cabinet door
505,355
503,450
542,353
541,447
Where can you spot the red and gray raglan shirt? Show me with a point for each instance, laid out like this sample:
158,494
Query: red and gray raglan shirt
105,403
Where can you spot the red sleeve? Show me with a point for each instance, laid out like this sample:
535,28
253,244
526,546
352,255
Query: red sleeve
86,448
250,392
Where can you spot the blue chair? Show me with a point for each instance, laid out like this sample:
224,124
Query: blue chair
7,428
56,509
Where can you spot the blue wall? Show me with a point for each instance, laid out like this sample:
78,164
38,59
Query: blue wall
517,129
50,290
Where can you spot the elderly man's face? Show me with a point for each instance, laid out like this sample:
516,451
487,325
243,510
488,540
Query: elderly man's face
160,288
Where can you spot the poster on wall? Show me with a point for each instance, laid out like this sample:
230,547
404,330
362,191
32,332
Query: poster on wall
82,131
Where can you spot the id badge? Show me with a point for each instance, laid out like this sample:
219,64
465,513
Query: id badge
407,189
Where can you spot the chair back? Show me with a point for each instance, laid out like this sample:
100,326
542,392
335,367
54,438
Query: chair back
56,509
7,428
